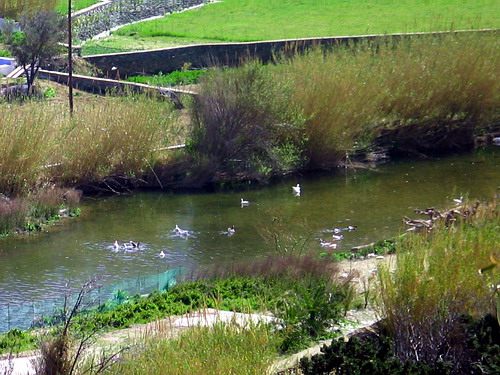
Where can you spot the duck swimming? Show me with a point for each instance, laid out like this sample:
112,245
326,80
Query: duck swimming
162,254
296,189
331,245
338,237
180,231
244,203
231,230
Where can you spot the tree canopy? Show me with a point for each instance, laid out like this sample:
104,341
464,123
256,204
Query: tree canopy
37,42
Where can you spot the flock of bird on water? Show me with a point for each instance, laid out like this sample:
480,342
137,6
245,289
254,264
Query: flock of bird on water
185,233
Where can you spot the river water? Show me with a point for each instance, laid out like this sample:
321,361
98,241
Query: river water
36,267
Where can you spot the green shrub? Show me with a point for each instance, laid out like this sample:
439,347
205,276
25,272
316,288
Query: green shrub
244,125
373,354
16,341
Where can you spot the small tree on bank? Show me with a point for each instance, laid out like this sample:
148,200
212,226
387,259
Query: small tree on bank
37,42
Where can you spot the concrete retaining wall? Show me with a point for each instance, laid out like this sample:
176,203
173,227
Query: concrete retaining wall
169,59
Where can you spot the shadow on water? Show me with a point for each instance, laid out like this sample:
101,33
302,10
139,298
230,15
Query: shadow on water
41,266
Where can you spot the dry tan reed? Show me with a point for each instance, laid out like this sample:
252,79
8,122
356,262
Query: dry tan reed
420,85
39,142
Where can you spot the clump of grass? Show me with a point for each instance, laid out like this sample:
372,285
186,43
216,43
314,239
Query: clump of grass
46,203
12,214
222,349
106,137
436,283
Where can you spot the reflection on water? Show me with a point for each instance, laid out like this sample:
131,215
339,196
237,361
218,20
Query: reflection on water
35,267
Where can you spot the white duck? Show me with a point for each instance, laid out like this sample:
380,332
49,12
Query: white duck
338,237
296,189
162,254
330,245
180,231
231,230
244,203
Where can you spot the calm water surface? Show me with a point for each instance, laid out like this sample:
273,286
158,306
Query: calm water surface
40,266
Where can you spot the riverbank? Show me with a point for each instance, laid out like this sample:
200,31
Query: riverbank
356,106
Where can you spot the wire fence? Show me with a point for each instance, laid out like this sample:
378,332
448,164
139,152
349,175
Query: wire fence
38,314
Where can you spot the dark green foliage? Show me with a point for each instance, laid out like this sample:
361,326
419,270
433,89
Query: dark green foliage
483,336
373,354
176,78
42,31
306,313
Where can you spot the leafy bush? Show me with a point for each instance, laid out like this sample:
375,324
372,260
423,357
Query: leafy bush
16,341
244,126
373,354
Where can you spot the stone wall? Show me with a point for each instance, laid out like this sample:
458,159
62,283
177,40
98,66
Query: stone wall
206,55
104,16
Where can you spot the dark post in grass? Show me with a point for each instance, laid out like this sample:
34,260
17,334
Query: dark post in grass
70,61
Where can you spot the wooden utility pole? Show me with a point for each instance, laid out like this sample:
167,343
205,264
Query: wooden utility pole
70,61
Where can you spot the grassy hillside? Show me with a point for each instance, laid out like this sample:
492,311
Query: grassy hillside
249,20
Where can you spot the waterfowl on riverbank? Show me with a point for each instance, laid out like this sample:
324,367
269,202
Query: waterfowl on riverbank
244,203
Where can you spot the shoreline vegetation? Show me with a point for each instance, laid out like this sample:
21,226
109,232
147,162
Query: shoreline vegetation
310,112
434,296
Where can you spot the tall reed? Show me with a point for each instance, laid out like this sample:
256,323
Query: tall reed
412,87
436,283
40,143
14,8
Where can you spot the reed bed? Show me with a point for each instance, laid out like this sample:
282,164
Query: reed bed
407,90
436,283
13,8
422,95
40,143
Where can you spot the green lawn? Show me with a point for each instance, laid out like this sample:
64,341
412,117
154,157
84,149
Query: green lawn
250,20
62,5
